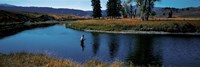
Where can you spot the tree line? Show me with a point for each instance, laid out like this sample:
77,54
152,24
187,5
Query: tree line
117,8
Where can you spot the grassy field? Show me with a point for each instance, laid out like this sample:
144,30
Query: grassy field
156,24
41,60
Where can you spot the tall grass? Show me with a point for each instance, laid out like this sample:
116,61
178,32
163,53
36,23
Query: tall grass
33,60
41,60
178,25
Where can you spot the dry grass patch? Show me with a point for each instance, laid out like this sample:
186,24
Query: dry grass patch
33,60
41,60
169,25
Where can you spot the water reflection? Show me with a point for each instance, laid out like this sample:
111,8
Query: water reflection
95,44
82,45
113,46
5,33
143,53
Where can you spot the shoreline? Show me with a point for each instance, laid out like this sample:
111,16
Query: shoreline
141,32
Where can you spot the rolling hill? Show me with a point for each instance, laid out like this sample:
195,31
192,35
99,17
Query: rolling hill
190,12
22,16
44,10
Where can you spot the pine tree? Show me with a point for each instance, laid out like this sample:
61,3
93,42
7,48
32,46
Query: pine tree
96,8
114,8
170,13
118,8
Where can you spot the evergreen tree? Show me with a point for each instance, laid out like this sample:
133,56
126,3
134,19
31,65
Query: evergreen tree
170,13
118,8
109,8
114,8
96,8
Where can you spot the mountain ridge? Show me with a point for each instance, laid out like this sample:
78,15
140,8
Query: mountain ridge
44,10
160,11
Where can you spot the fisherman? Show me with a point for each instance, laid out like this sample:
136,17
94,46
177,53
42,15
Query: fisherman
82,42
82,38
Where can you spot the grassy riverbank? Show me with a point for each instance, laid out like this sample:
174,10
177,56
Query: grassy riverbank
158,24
32,60
35,60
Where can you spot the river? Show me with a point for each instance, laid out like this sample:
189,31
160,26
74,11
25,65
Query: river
61,42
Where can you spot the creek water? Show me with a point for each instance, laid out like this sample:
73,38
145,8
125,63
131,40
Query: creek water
61,42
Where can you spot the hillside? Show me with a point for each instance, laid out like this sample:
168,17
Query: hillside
44,10
7,16
190,12
21,16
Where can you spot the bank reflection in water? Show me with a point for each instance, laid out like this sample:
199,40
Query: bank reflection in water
113,46
95,44
110,41
143,52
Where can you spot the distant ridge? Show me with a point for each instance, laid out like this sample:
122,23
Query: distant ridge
7,5
44,10
161,12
